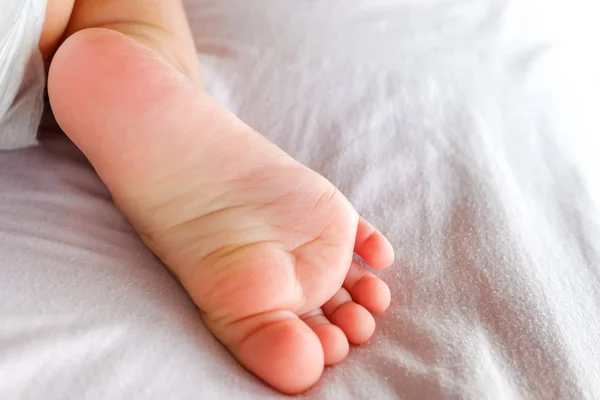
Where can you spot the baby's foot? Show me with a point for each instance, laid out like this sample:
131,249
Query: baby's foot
262,244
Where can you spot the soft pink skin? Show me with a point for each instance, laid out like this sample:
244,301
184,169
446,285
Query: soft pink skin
262,244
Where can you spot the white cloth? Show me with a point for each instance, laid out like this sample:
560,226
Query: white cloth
22,76
466,130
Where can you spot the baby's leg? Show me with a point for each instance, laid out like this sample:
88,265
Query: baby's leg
262,244
58,14
160,25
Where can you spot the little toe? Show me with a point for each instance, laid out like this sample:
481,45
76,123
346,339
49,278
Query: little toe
277,347
334,341
366,289
372,246
353,319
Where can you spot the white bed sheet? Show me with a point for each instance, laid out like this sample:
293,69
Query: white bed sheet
466,130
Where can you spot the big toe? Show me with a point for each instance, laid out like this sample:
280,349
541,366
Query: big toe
279,348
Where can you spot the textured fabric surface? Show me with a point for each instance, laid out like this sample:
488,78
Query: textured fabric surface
465,129
22,78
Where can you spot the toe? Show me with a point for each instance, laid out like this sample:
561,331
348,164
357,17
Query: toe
372,246
277,347
353,319
366,289
334,341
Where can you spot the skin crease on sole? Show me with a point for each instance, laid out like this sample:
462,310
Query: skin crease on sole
299,317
